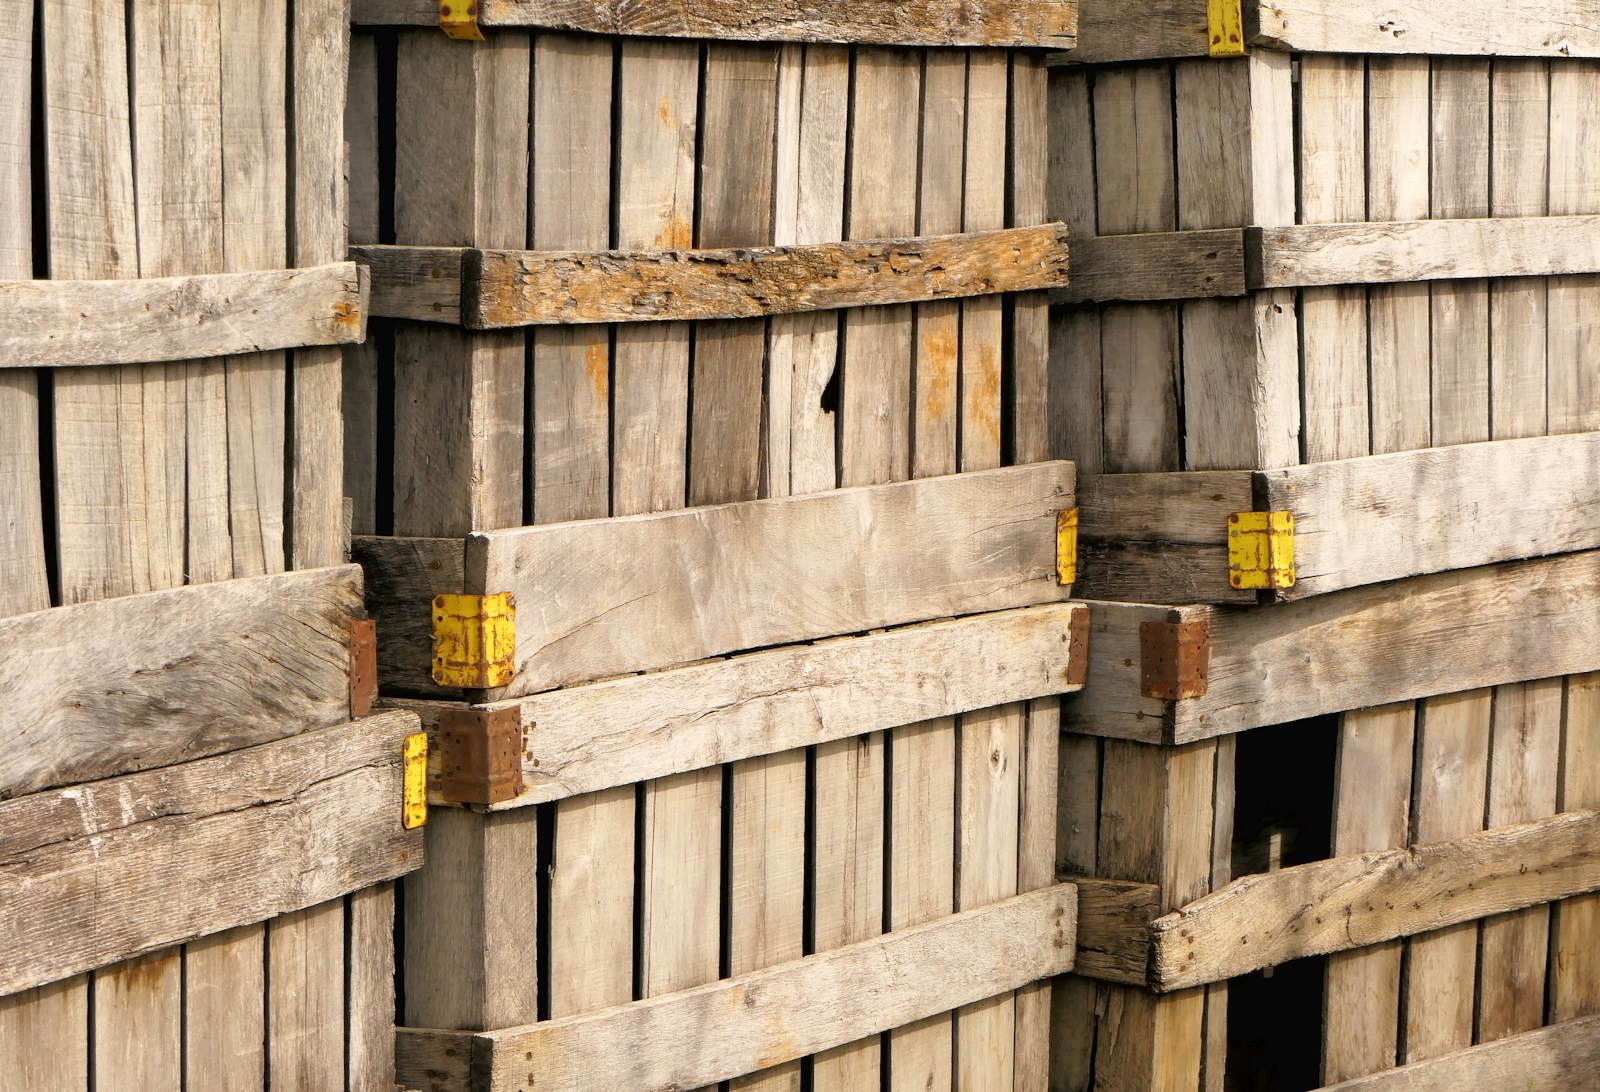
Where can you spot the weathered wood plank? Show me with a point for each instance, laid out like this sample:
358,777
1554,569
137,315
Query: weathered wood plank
1173,265
55,324
1542,28
1437,634
1420,250
740,1025
142,681
1154,30
1351,902
1114,918
402,577
1557,1057
1048,24
108,870
783,570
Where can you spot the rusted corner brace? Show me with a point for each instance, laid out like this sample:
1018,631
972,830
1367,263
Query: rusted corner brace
1174,659
480,755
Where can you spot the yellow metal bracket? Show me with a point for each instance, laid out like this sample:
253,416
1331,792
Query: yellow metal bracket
1067,546
414,813
474,640
1261,550
1225,24
459,20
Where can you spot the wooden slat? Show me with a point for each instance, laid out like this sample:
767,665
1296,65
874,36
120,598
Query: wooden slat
1154,30
1114,919
1361,647
112,869
603,597
726,1029
1174,265
1543,28
1557,1057
142,681
55,324
1040,23
1351,902
1421,250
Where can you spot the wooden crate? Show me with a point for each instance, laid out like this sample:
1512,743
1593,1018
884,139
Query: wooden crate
184,782
822,256
1313,288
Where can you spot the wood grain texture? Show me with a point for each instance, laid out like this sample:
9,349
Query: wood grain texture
1546,28
1038,23
1158,30
1561,1056
740,1025
992,534
1362,647
402,575
57,324
1422,250
1574,978
1177,265
1352,902
200,847
143,681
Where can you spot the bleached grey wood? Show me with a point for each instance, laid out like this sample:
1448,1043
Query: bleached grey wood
54,324
726,1029
641,727
1365,521
1362,647
104,871
1352,902
1539,28
1040,23
1159,537
1422,250
601,597
1151,30
1173,265
1562,1056
126,684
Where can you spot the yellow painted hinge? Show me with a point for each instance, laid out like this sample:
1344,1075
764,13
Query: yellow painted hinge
414,813
1261,550
1225,22
459,19
474,640
1067,546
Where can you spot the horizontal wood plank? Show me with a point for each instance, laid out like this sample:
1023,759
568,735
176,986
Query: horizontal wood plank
1422,250
59,324
1114,918
740,1025
643,727
1159,538
604,597
402,577
1148,31
502,289
1562,1056
1046,24
1177,265
1365,521
1536,28
1353,902
120,685
101,872
1363,647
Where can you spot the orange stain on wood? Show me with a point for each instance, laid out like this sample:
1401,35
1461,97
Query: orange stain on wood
983,395
597,362
936,369
679,235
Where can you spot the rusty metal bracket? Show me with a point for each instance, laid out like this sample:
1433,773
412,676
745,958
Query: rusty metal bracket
414,810
363,666
474,640
1174,659
1078,648
480,755
1067,546
1261,550
459,20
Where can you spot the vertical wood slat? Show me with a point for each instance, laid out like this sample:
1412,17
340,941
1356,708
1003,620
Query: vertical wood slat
359,385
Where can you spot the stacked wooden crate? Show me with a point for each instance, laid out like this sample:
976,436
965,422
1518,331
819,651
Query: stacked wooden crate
1331,295
198,837
693,338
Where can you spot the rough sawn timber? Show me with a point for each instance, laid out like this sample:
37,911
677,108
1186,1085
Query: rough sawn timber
1352,902
58,324
1169,265
119,685
641,727
1149,31
725,1029
1046,24
504,289
1359,648
1562,1056
602,597
101,872
1312,255
1538,28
